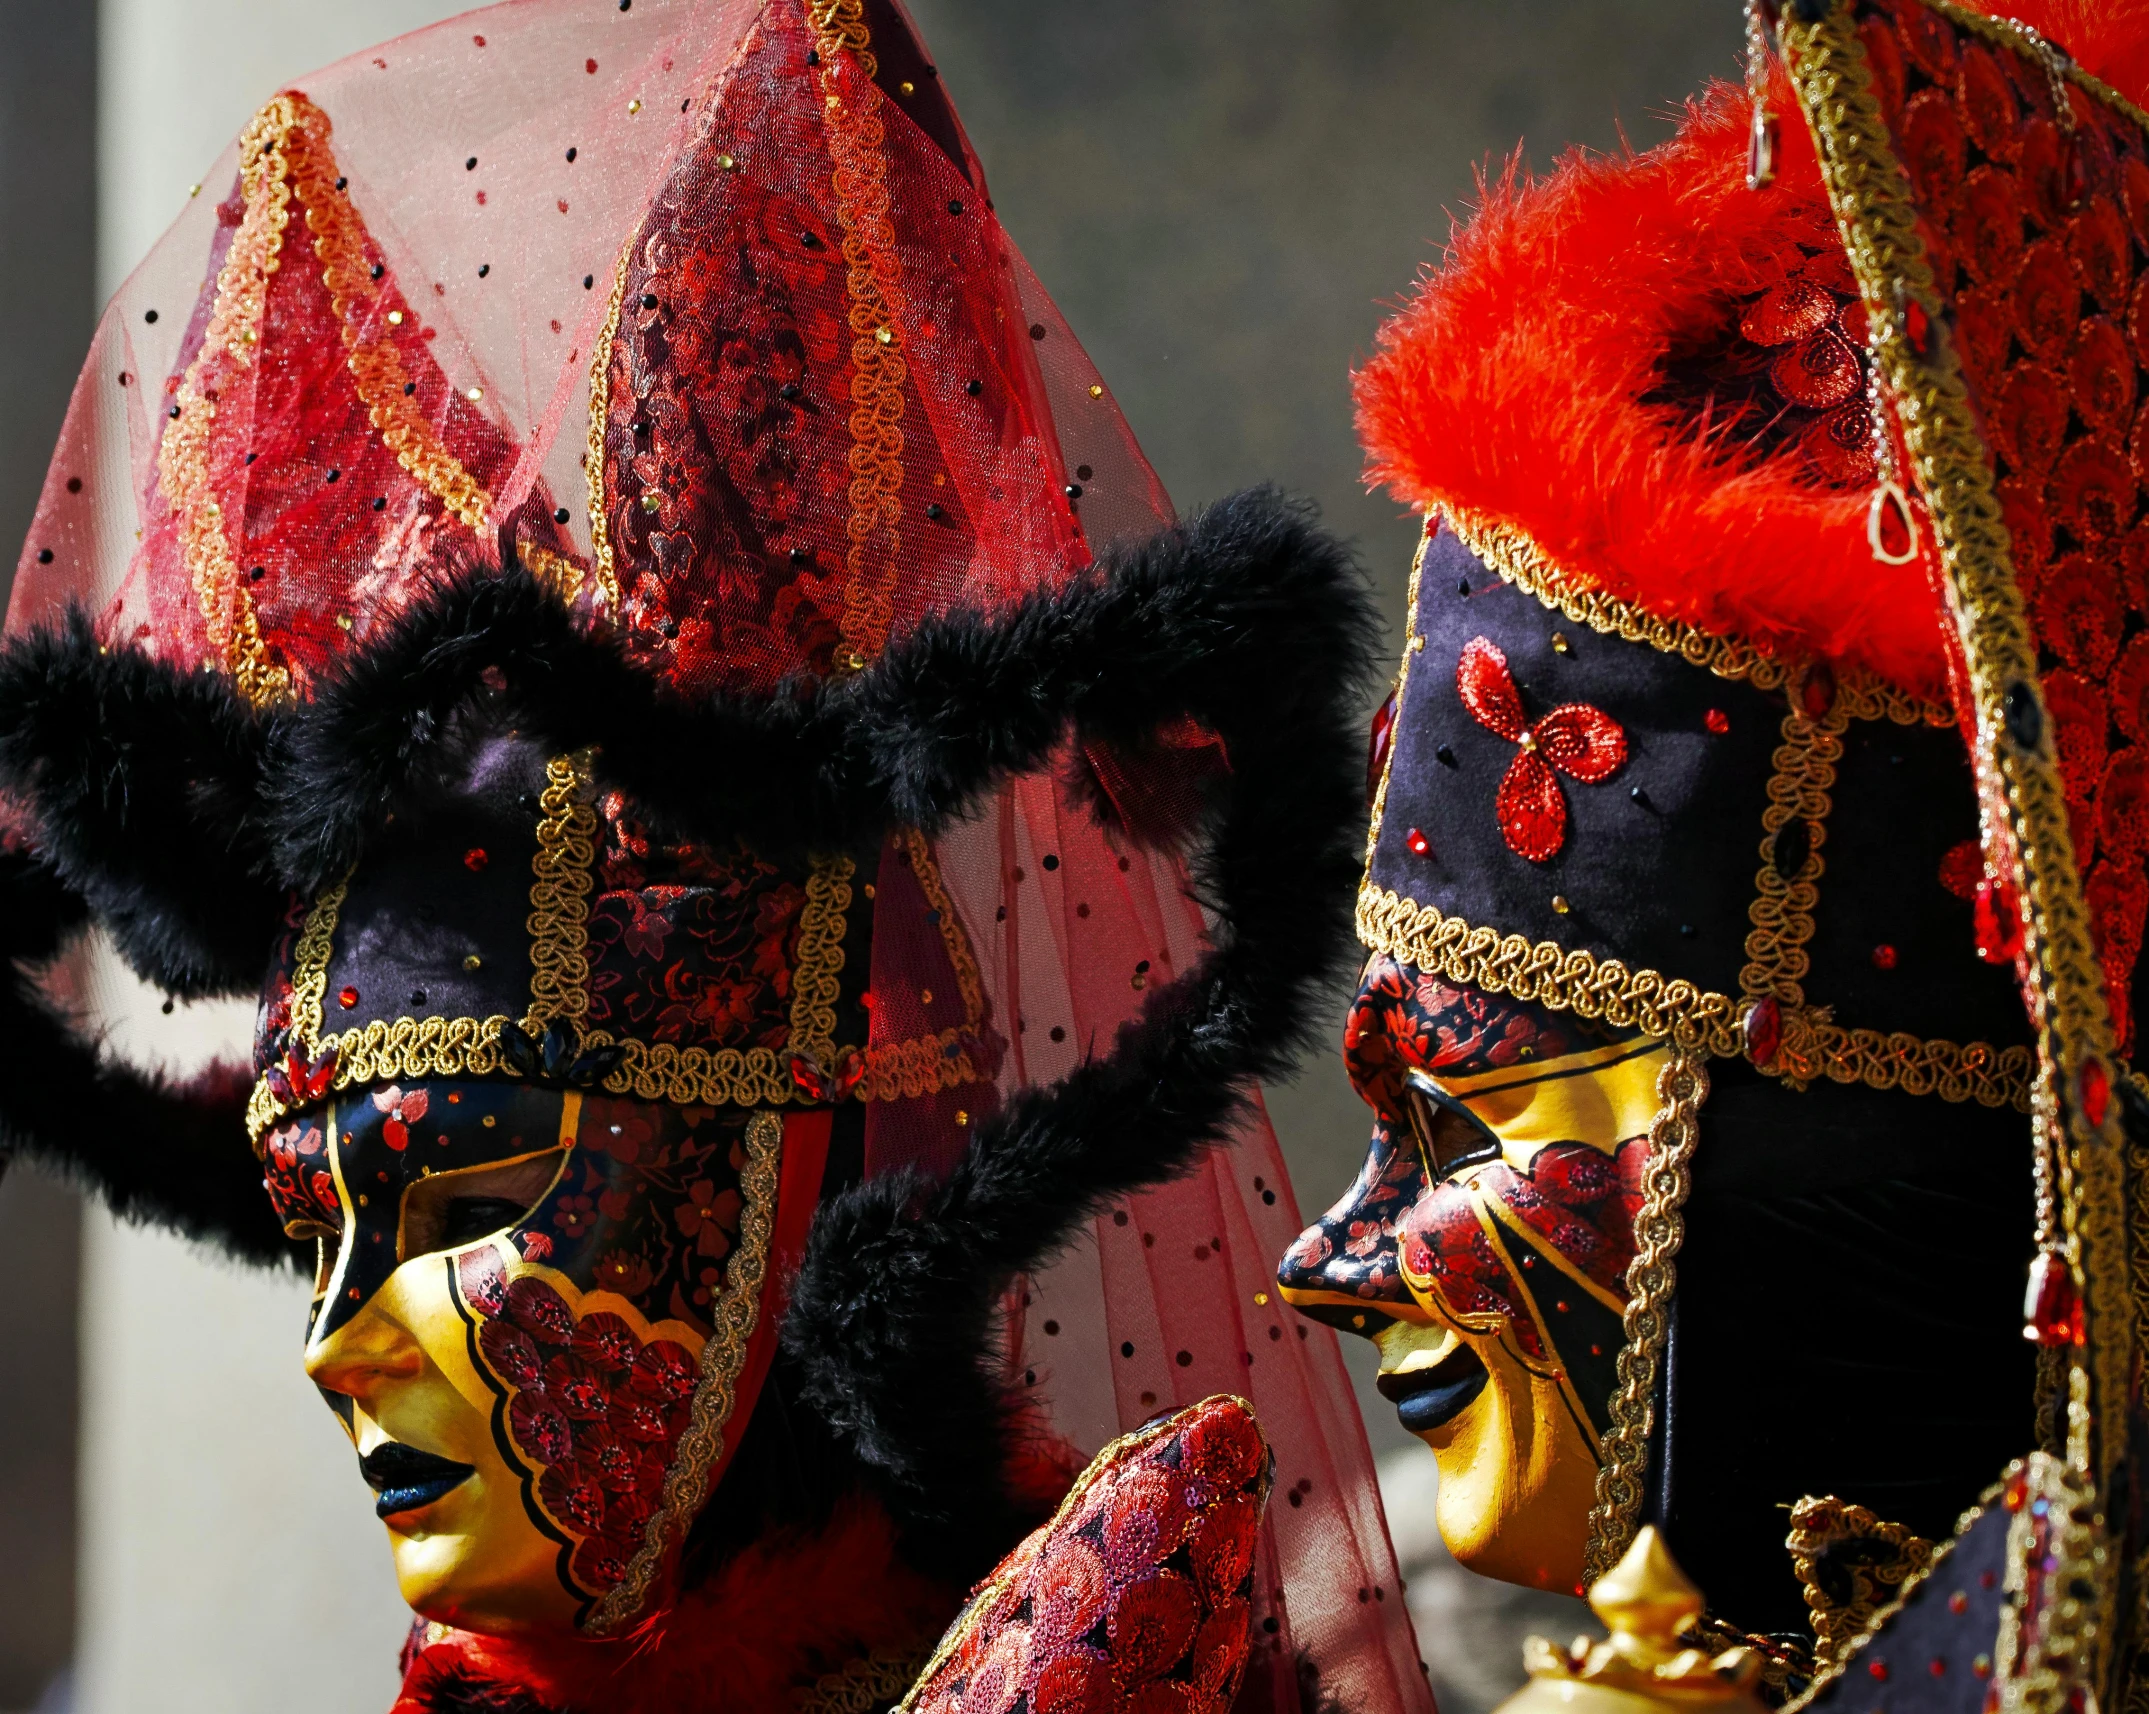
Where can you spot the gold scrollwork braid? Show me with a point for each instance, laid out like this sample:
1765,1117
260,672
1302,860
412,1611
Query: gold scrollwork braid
600,417
559,897
1520,561
1558,977
1571,979
1820,1523
877,1680
1783,1657
1413,645
2023,801
361,308
233,333
701,1448
873,279
1659,1229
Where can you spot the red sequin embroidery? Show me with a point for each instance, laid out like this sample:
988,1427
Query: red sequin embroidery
1582,742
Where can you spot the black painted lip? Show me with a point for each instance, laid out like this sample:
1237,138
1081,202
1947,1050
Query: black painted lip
403,1479
1426,1398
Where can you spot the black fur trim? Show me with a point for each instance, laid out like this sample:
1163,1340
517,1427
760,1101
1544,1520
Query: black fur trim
143,781
1252,621
152,1152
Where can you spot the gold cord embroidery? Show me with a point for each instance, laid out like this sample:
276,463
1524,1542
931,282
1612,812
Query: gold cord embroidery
873,280
559,897
600,417
877,1680
234,330
1783,1658
1659,1229
2026,832
1817,1524
701,1448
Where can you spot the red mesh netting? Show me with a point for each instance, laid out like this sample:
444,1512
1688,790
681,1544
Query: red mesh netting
705,304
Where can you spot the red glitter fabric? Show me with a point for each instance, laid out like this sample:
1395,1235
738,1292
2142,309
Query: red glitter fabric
1580,741
704,308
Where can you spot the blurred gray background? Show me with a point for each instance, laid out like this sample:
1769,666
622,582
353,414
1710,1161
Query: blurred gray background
1222,197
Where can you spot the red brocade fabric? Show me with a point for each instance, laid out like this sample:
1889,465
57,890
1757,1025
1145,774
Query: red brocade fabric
2039,242
1135,1598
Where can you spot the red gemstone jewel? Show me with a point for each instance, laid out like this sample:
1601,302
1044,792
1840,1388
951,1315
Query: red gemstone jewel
1878,1668
2095,1084
1884,957
475,859
1817,693
1417,844
2012,1497
347,998
2051,1307
1917,327
1377,742
1998,922
1937,1667
1764,1031
1717,721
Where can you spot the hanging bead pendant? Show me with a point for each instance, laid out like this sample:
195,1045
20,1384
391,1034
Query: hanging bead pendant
2051,1307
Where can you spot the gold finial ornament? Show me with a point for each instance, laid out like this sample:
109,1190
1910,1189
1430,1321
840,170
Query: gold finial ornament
1645,1602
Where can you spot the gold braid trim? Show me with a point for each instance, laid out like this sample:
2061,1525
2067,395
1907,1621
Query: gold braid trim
1520,561
1413,646
2068,1644
1783,1658
1659,1229
877,1680
359,305
873,279
600,417
701,1448
1604,990
234,330
559,897
1818,1524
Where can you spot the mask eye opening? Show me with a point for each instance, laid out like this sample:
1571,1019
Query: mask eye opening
1449,1136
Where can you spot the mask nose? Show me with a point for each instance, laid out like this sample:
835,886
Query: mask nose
1343,1269
369,1351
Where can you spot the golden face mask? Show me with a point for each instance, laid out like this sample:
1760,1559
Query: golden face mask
535,1312
1484,1248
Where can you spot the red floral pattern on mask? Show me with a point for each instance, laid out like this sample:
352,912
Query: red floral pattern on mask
296,1176
1582,742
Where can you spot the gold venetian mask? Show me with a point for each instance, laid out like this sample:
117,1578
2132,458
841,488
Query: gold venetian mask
1484,1247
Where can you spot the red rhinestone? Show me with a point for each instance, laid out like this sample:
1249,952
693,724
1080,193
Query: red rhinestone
475,859
1917,327
1764,1031
1717,721
1377,745
1958,1602
347,999
2096,1087
1878,1668
1997,921
1884,957
2016,1492
1417,844
2051,1307
1937,1667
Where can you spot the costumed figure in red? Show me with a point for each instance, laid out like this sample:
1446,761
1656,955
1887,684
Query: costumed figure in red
1755,895
587,556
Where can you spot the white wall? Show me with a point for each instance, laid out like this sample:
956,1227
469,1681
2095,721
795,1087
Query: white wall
230,1561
